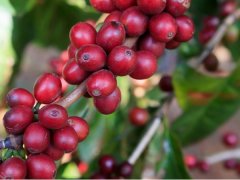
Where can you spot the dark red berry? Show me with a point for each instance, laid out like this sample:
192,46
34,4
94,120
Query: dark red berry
91,57
53,116
230,139
125,170
113,16
73,73
80,126
206,34
82,34
54,152
36,138
72,50
122,60
101,83
148,43
97,175
230,163
165,83
227,7
105,6
177,7
146,65
211,21
110,35
211,63
138,116
47,88
134,21
17,119
107,164
57,65
163,27
190,161
13,168
40,166
152,7
108,104
172,44
124,4
203,166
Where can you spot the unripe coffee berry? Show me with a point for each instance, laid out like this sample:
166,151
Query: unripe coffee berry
152,7
138,116
105,6
107,164
165,84
124,4
177,7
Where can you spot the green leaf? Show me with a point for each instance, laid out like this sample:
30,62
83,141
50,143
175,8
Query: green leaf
22,6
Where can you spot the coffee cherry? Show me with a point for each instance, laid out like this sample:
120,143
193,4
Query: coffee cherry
122,60
13,168
105,6
91,57
92,22
82,34
74,74
65,139
47,88
230,139
211,21
36,138
227,7
153,7
185,29
176,7
101,83
124,4
110,35
64,56
211,63
108,104
72,50
125,170
230,163
53,116
165,84
107,164
148,43
54,152
203,166
146,65
57,65
113,16
206,34
190,161
172,44
80,126
17,119
134,21
138,116
41,166
163,27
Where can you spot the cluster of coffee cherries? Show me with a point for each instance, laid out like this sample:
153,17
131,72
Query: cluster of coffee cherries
109,169
47,132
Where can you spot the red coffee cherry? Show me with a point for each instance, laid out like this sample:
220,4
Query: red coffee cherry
122,60
134,21
110,35
36,138
20,96
227,7
74,74
107,164
211,21
177,7
80,126
165,84
41,166
53,116
65,139
148,43
91,57
47,88
108,104
185,30
203,166
138,116
153,7
54,152
57,65
113,16
125,170
146,65
206,34
190,161
124,4
172,44
64,56
211,63
82,34
101,83
230,163
72,50
230,139
17,119
163,27
13,168
105,6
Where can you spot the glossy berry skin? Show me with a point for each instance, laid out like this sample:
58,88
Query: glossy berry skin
73,73
105,6
101,83
41,166
230,163
165,84
163,27
185,30
177,7
36,138
146,65
81,34
13,168
107,164
53,116
206,34
80,126
203,166
72,50
124,4
108,104
122,60
113,16
65,139
134,21
211,21
91,57
211,63
230,139
54,152
172,44
148,43
47,88
138,116
190,161
17,119
227,7
125,170
152,7
110,35
20,97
